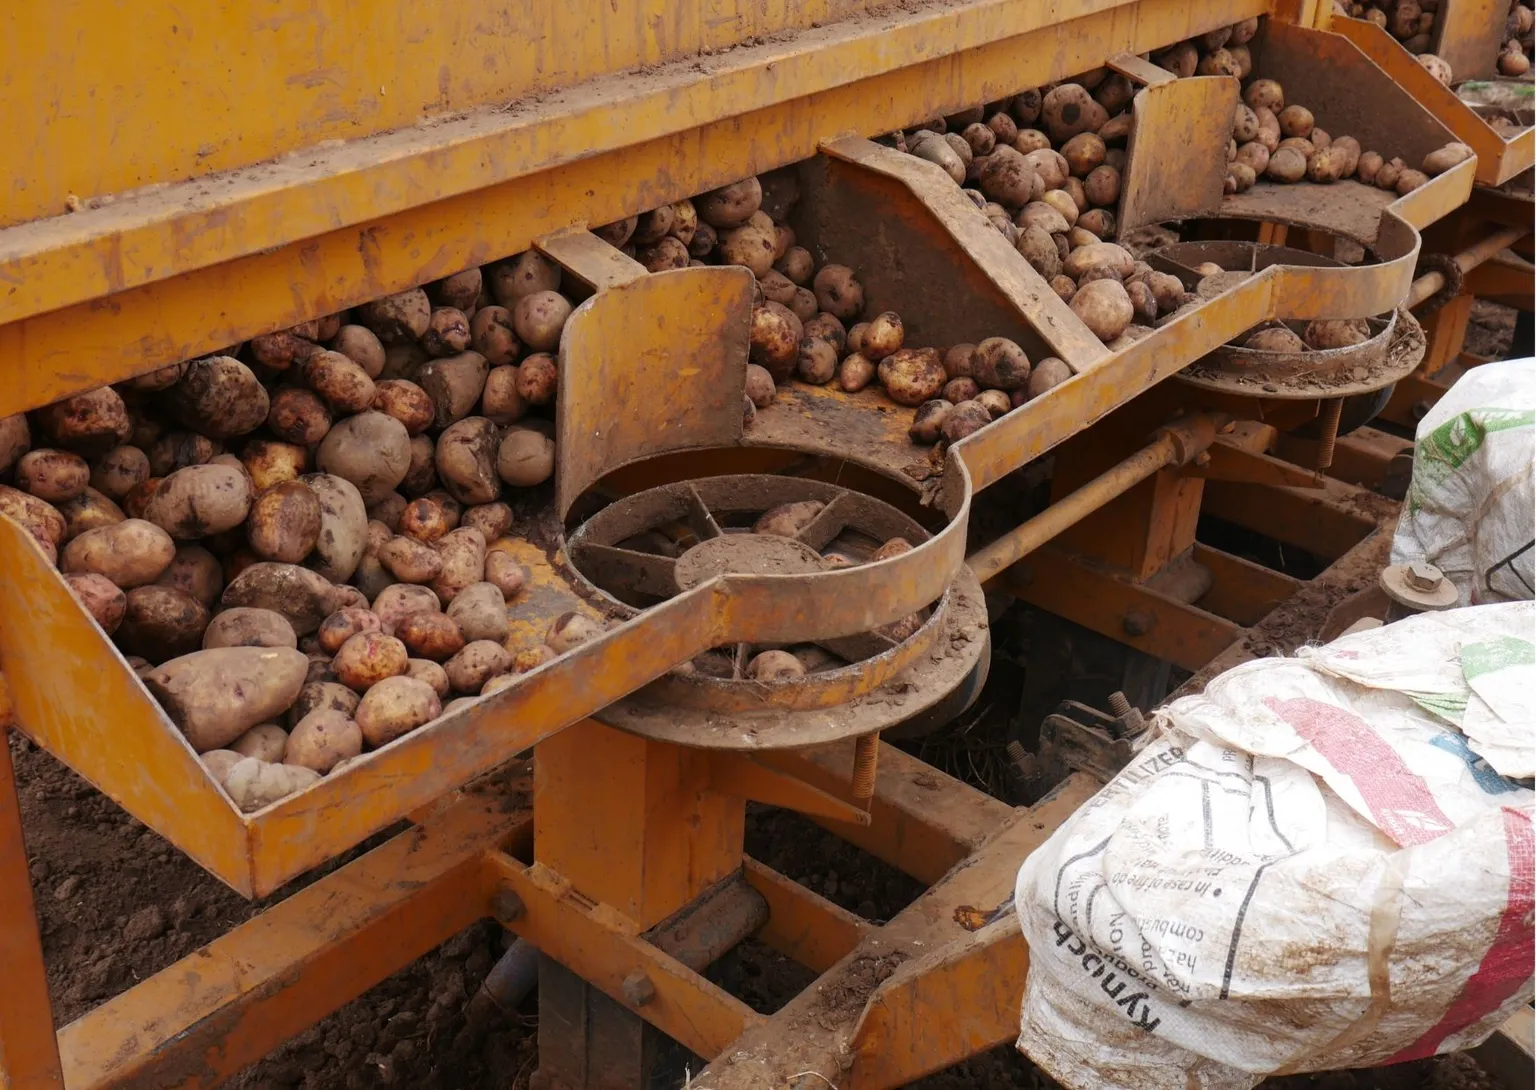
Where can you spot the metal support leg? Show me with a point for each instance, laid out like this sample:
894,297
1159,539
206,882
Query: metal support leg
29,1052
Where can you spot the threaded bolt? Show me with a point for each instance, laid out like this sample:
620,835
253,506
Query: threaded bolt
866,760
1328,420
1119,705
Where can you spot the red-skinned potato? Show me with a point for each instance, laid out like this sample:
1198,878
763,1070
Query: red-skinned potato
367,659
53,476
432,636
409,560
462,552
399,600
101,598
406,402
345,623
838,292
760,385
538,379
116,472
425,519
41,520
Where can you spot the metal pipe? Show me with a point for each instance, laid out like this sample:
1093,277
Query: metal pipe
1029,536
1466,261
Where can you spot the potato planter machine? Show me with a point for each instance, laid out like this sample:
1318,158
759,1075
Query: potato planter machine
623,861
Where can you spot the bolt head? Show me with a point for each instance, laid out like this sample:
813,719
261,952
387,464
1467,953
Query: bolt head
1136,623
638,989
507,906
1424,577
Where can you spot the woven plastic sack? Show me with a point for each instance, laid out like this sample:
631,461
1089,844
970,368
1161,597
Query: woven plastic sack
1300,872
1472,503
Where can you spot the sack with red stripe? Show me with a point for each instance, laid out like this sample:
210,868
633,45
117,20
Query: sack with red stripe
1299,872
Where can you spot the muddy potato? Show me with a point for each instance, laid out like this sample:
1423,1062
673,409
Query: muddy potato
453,386
477,663
775,339
1106,255
838,291
101,598
249,627
397,318
731,205
884,335
162,378
88,511
1008,178
284,523
829,329
16,440
1245,125
216,696
1068,109
218,397
1180,59
179,449
1328,165
265,742
1443,159
1286,165
929,419
912,376
1336,333
53,476
370,450
571,630
1047,373
304,597
161,623
480,610
281,350
492,335
254,785
796,265
1038,214
524,457
360,345
938,151
1319,139
130,553
1387,173
268,463
957,361
1000,364
1253,155
996,402
966,419
432,636
298,416
1102,186
463,562
425,520
395,707
1039,249
1409,180
89,423
1104,307
1275,339
1436,67
787,519
760,385
1051,170
343,527
1004,130
1143,302
1301,145
1351,149
1219,62
775,666
776,287
816,363
1029,141
200,500
500,401
399,600
1264,94
406,402
409,560
345,623
322,740
367,659
1295,121
1065,203
854,373
504,573
431,673
980,137
961,389
539,318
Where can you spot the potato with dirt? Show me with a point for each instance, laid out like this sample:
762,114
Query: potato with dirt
322,740
1336,333
1099,255
219,397
298,416
16,440
480,611
433,636
367,659
248,627
788,519
53,476
395,707
854,373
88,511
284,523
525,457
539,318
1047,373
398,318
254,785
302,596
89,423
571,630
731,205
321,695
462,555
399,600
477,663
409,560
1104,307
1275,339
216,696
371,450
491,519
838,291
500,401
200,500
538,379
929,419
360,345
1068,109
343,532
912,376
101,598
265,742
1286,165
345,623
1328,165
131,553
454,385
1000,364
114,474
504,573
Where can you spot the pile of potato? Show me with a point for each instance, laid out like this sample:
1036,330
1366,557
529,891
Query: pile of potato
1412,22
293,542
1515,55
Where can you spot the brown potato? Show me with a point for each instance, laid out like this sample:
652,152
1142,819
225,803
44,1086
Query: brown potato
409,560
1030,140
265,742
298,416
322,740
1047,373
1275,339
478,662
929,419
302,596
1064,287
1180,59
1083,153
1102,186
422,476
200,500
500,401
220,763
343,527
1219,62
829,329
530,272
1295,121
1143,302
88,511
1336,333
796,265
1443,159
491,519
505,574
247,627
52,475
434,636
997,402
131,553
785,520
216,696
1039,249
178,450
1065,203
816,363
1104,307
399,600
775,339
397,318
454,385
525,457
461,290
447,332
359,345
1351,149
371,450
432,673
538,379
321,695
89,423
1301,145
750,246
760,385
480,610
1253,155
403,361
838,291
425,519
219,397
395,707
884,336
1000,363
284,523
491,335
406,402
1007,177
1097,255
1286,165
463,562
1050,169
731,205
114,474
1040,215
571,630
345,623
854,373
957,360
269,463
281,350
961,389
967,418
1245,125
367,659
1387,173
539,318
161,623
1068,109
775,666
1409,180
1328,165
912,376
1266,94
102,599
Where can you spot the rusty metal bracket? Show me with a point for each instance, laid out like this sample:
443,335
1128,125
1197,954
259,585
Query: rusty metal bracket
733,774
1228,461
1079,738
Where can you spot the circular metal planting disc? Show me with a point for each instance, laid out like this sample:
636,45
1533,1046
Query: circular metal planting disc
647,547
